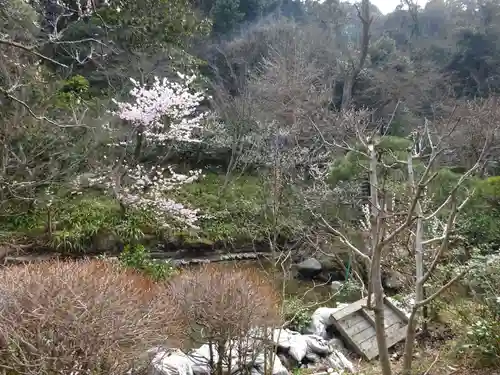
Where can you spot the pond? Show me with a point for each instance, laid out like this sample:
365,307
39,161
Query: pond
290,286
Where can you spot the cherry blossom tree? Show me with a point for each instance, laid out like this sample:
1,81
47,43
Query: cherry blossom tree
159,114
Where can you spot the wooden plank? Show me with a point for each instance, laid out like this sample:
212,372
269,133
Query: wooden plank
393,334
349,309
389,331
391,318
396,310
370,317
352,320
363,335
387,322
397,336
346,337
356,324
361,326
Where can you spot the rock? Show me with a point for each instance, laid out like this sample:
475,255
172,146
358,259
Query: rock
336,286
288,361
309,268
394,280
261,367
282,337
339,362
313,357
173,362
298,347
320,319
200,359
316,344
335,344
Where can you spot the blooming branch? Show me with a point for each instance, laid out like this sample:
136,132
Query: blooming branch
164,111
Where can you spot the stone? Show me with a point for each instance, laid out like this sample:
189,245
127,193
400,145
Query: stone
336,286
281,337
394,280
335,344
309,268
313,357
200,359
288,361
321,319
171,362
261,367
298,347
316,344
338,362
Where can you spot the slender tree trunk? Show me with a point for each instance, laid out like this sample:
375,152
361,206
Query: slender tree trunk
419,275
378,291
376,267
138,146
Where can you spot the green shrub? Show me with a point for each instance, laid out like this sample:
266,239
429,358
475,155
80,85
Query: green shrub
479,224
78,223
138,258
480,343
239,213
297,314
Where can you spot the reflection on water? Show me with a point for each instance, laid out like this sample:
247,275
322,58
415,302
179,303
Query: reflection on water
311,292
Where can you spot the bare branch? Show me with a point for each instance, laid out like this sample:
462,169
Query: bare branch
31,50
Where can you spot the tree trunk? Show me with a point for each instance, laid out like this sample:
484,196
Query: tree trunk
366,20
378,291
419,274
347,93
138,146
376,267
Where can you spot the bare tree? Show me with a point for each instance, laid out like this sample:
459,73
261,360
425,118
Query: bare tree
355,65
86,316
221,307
392,218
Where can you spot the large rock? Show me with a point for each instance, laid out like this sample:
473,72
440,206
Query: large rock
262,367
339,362
171,362
316,344
309,268
200,359
321,319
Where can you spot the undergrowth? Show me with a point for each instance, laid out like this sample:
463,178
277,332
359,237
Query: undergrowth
297,314
78,223
137,257
239,214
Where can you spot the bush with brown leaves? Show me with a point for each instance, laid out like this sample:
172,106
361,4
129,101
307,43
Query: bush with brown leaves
221,305
84,317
